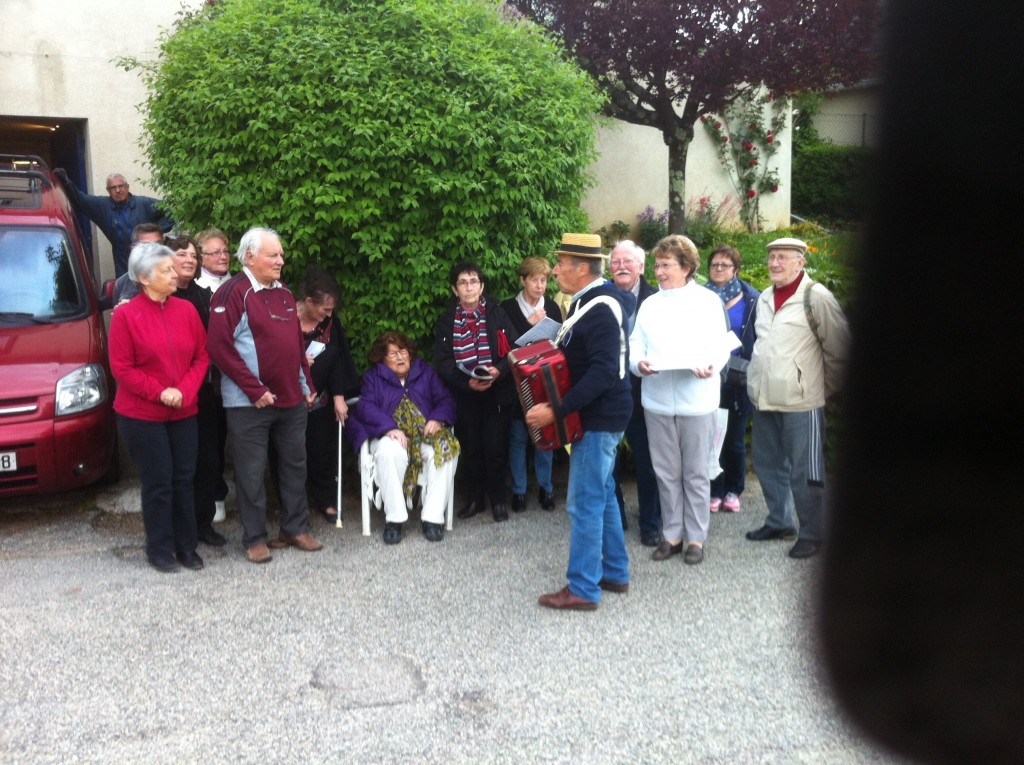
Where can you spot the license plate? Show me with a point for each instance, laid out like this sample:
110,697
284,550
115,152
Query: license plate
8,462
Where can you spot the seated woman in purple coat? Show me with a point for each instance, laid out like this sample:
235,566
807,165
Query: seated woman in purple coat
406,412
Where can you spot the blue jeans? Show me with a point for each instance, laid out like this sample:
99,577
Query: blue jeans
518,443
597,547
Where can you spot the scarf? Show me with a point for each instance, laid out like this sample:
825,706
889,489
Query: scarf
470,345
410,421
524,305
727,291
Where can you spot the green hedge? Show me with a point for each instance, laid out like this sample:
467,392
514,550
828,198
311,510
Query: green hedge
830,182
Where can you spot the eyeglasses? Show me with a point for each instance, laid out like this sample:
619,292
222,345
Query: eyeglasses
400,353
665,264
216,253
618,263
467,282
118,187
721,266
773,258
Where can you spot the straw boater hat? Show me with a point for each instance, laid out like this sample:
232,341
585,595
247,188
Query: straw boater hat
787,243
581,246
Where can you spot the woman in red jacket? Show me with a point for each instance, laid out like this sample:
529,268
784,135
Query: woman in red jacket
158,357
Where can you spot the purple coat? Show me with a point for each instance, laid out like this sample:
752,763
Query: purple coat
382,392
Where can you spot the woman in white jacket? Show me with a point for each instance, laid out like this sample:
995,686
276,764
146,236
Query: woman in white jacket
679,346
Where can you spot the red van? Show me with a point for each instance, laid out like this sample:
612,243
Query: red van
57,427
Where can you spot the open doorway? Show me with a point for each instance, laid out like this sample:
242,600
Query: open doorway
57,141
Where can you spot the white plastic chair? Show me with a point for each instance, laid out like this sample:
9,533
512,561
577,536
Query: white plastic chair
371,492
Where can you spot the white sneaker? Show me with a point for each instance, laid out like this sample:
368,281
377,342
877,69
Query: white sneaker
716,504
220,514
732,503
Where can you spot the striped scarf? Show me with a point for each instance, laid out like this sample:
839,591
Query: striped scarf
470,346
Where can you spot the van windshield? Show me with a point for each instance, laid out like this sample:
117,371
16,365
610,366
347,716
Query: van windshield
39,279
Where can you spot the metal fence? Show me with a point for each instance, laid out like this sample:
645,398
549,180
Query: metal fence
848,129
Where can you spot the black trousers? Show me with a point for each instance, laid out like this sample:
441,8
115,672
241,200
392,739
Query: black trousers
482,429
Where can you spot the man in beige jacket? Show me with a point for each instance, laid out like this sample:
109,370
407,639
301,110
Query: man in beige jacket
798,362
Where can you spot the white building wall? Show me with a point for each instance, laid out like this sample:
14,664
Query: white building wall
58,62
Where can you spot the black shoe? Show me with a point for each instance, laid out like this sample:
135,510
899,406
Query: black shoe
518,503
190,560
165,564
767,532
694,554
547,500
434,532
392,533
804,548
471,509
212,538
666,550
650,538
500,512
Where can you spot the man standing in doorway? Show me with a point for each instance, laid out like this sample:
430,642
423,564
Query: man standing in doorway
116,214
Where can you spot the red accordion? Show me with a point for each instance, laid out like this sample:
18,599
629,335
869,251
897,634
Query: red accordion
541,375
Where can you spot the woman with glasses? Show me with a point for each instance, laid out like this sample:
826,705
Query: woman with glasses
334,377
678,347
739,299
406,413
472,341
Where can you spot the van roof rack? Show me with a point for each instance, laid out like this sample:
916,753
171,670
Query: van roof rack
22,180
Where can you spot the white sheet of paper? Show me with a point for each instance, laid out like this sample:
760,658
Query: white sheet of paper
694,355
545,329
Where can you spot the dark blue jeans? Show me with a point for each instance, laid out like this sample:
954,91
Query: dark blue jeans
646,481
732,479
165,453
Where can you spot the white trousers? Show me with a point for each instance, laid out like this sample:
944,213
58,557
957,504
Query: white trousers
390,461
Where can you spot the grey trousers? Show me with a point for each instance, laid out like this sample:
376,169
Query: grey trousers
251,431
680,447
788,453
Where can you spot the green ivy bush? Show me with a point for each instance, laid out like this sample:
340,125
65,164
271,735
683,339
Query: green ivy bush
830,182
383,139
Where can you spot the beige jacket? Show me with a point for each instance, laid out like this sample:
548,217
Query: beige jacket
792,369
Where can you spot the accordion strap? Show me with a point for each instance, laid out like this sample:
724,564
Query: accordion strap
616,309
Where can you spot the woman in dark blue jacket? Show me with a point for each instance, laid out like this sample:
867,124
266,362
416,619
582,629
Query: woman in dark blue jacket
407,413
739,298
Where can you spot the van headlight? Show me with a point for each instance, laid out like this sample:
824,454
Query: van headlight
83,389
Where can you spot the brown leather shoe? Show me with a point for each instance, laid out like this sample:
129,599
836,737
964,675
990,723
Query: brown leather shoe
304,542
694,554
565,599
607,586
666,550
258,554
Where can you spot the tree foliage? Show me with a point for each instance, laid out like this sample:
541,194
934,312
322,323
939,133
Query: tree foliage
664,63
383,139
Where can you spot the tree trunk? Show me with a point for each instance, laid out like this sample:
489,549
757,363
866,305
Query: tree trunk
678,147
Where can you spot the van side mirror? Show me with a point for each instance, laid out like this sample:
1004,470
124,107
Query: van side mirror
106,295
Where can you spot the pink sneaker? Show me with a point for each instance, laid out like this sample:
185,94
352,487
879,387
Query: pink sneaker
732,503
716,504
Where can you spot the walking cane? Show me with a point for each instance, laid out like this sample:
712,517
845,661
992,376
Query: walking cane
337,523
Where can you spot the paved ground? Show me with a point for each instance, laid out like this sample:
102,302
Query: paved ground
420,653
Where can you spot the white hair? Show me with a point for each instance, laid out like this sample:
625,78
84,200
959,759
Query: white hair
635,252
252,240
144,257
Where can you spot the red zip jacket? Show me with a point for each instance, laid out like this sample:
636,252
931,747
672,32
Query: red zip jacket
154,346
